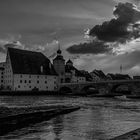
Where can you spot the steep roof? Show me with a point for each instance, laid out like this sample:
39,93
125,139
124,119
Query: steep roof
59,57
100,74
119,76
87,75
29,62
69,68
69,61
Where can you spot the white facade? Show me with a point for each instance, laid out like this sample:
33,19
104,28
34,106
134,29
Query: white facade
8,74
1,75
25,82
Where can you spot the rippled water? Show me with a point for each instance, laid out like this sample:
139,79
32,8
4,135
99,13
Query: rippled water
98,118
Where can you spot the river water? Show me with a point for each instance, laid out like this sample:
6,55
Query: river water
98,118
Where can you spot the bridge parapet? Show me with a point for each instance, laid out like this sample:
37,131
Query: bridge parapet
104,87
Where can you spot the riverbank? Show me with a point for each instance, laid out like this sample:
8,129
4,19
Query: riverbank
19,117
52,93
132,135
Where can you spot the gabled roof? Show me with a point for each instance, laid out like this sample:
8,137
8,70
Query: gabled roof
87,75
119,76
29,62
69,61
70,68
99,73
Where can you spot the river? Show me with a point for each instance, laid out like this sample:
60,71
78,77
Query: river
98,118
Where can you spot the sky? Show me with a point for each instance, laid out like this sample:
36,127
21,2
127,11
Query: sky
95,34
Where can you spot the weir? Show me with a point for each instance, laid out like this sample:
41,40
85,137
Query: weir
16,118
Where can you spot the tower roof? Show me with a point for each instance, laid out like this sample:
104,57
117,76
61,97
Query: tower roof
59,56
59,51
69,61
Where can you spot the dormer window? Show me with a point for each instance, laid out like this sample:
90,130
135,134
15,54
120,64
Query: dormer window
41,69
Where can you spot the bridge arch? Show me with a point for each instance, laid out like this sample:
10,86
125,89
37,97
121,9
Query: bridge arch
121,88
65,89
89,89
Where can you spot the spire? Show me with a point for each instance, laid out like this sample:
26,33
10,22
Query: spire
59,50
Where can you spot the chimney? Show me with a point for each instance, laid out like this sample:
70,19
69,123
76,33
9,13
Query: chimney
41,69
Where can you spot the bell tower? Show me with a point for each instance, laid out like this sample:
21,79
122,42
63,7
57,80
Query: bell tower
59,65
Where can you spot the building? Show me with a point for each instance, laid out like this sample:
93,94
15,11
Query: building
26,70
67,73
112,76
2,75
59,66
87,75
73,75
98,75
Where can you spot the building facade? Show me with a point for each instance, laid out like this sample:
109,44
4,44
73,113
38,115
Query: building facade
27,70
59,66
73,75
2,75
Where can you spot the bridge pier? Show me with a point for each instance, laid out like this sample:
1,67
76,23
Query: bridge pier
103,91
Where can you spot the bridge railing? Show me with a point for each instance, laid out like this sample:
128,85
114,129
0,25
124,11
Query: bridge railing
102,81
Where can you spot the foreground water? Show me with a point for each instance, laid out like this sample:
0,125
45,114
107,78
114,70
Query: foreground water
98,118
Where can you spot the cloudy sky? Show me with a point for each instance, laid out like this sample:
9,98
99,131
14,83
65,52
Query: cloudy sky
95,34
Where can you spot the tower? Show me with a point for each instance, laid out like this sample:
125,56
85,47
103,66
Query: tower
59,65
69,63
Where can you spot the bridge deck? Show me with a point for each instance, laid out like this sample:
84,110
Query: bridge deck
101,82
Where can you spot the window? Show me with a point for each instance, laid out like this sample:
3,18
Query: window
47,87
29,81
29,86
37,76
25,81
37,81
20,76
45,82
18,86
20,81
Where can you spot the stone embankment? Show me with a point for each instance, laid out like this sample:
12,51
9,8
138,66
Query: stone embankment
19,117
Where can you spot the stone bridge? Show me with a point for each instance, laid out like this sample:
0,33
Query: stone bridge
102,87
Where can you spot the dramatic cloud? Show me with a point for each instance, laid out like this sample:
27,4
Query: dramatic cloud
92,47
123,27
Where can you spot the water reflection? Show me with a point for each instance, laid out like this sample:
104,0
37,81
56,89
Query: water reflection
98,119
58,126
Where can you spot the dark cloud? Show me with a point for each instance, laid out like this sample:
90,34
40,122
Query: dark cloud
123,27
92,47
